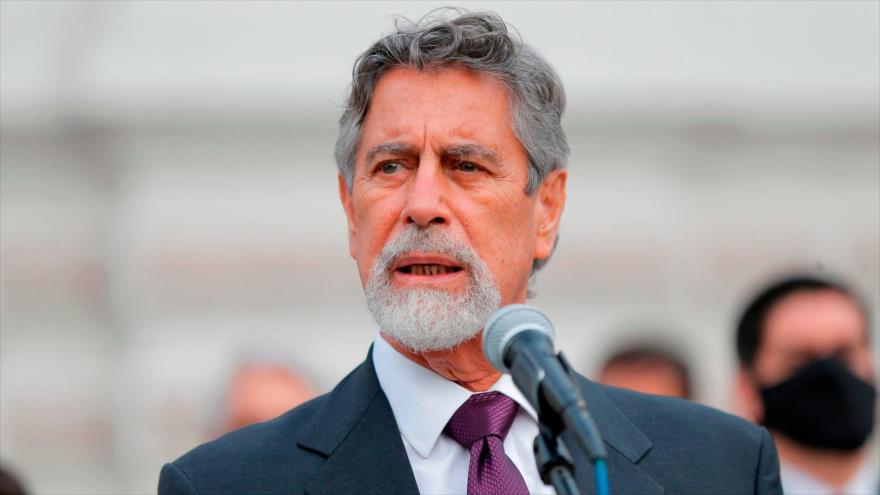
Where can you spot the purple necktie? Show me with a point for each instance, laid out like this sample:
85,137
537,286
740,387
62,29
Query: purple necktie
480,425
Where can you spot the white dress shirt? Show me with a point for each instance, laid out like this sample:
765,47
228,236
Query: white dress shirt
423,402
799,482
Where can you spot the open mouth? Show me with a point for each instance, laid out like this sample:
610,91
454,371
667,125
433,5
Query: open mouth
427,269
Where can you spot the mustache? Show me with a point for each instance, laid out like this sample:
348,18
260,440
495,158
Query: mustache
430,240
428,318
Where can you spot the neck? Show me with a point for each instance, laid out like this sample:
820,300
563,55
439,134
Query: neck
832,467
464,365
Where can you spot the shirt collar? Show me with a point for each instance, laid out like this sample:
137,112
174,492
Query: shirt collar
797,480
423,401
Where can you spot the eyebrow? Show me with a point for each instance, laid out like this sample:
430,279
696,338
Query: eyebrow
391,149
472,150
459,151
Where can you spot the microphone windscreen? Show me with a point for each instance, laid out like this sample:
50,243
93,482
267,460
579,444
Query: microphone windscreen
504,324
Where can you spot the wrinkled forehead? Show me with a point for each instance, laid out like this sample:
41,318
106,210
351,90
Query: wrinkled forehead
458,104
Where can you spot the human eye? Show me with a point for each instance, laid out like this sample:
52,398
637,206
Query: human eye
389,168
468,167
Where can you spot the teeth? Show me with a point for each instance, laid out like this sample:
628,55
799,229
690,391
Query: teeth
430,269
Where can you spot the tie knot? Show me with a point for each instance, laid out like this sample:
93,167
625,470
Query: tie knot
480,416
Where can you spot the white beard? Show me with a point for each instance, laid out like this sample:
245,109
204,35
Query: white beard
425,319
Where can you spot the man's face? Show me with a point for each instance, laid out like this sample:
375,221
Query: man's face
437,151
809,325
261,392
646,376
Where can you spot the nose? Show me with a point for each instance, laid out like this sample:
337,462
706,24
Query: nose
426,201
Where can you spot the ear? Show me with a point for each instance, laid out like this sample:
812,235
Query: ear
548,211
747,397
345,198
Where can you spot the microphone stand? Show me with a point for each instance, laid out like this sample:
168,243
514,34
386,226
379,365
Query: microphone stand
554,465
551,455
518,340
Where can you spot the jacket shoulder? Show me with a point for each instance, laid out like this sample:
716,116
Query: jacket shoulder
277,456
698,449
668,418
258,439
258,458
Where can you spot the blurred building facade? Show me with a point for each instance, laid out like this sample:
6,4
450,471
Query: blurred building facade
168,196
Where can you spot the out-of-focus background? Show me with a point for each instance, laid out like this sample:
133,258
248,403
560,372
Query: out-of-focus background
169,204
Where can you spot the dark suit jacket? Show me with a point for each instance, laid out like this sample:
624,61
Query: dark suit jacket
347,442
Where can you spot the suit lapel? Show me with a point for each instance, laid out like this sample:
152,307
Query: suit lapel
627,445
625,477
357,434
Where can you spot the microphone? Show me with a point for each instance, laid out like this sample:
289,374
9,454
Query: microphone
518,339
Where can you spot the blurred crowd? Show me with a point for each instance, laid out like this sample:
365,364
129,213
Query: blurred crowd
806,372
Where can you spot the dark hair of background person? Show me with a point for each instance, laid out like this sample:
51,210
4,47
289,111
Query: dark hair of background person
750,329
9,485
651,355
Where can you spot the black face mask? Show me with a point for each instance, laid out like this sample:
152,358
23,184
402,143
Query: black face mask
823,405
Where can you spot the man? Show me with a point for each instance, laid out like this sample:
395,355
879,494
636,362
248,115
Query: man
9,485
806,373
260,389
647,369
451,157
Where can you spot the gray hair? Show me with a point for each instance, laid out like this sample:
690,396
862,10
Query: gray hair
478,41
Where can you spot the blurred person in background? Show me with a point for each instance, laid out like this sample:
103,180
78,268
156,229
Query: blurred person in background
261,389
451,159
647,368
807,374
9,484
